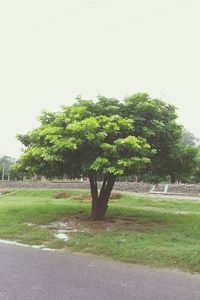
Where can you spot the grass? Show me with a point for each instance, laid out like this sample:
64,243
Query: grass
137,230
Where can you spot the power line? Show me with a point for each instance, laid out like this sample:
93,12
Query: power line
49,19
85,12
158,12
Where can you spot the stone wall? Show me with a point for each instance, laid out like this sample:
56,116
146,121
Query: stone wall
43,185
191,189
120,186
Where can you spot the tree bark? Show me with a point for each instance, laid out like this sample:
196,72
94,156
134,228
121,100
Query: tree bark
100,200
94,191
173,178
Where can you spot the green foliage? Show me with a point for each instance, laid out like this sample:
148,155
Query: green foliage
184,162
188,138
155,121
6,163
85,137
109,137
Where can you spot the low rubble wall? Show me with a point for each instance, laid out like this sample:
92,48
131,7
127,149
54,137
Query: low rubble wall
191,189
121,186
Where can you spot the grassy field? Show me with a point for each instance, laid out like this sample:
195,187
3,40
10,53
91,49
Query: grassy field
137,230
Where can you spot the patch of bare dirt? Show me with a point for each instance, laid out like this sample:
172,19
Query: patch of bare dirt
80,223
61,195
83,198
87,198
4,192
121,225
115,195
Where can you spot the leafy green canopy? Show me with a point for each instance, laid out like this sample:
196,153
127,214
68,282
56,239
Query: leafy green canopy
155,120
106,139
87,135
6,163
76,141
184,162
189,139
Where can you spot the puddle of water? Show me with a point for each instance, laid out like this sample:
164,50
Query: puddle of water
57,225
42,247
61,234
66,224
62,229
59,229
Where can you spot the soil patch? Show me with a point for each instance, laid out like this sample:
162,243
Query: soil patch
81,224
4,192
61,195
87,198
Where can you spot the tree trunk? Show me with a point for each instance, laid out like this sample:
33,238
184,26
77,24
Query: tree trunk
100,200
94,191
173,178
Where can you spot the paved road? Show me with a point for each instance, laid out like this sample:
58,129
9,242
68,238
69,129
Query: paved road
27,274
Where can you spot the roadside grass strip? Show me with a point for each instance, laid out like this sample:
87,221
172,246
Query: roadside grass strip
137,230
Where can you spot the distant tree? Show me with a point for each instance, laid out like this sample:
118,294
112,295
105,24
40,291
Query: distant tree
189,139
196,175
184,163
5,165
17,171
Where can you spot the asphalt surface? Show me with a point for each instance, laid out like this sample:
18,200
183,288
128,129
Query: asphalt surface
27,274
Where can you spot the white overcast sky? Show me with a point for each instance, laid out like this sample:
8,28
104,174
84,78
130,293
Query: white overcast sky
53,50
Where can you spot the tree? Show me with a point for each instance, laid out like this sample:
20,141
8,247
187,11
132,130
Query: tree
189,139
103,140
184,158
5,164
196,175
17,171
79,141
184,162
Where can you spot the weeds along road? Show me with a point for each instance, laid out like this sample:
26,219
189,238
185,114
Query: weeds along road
27,274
